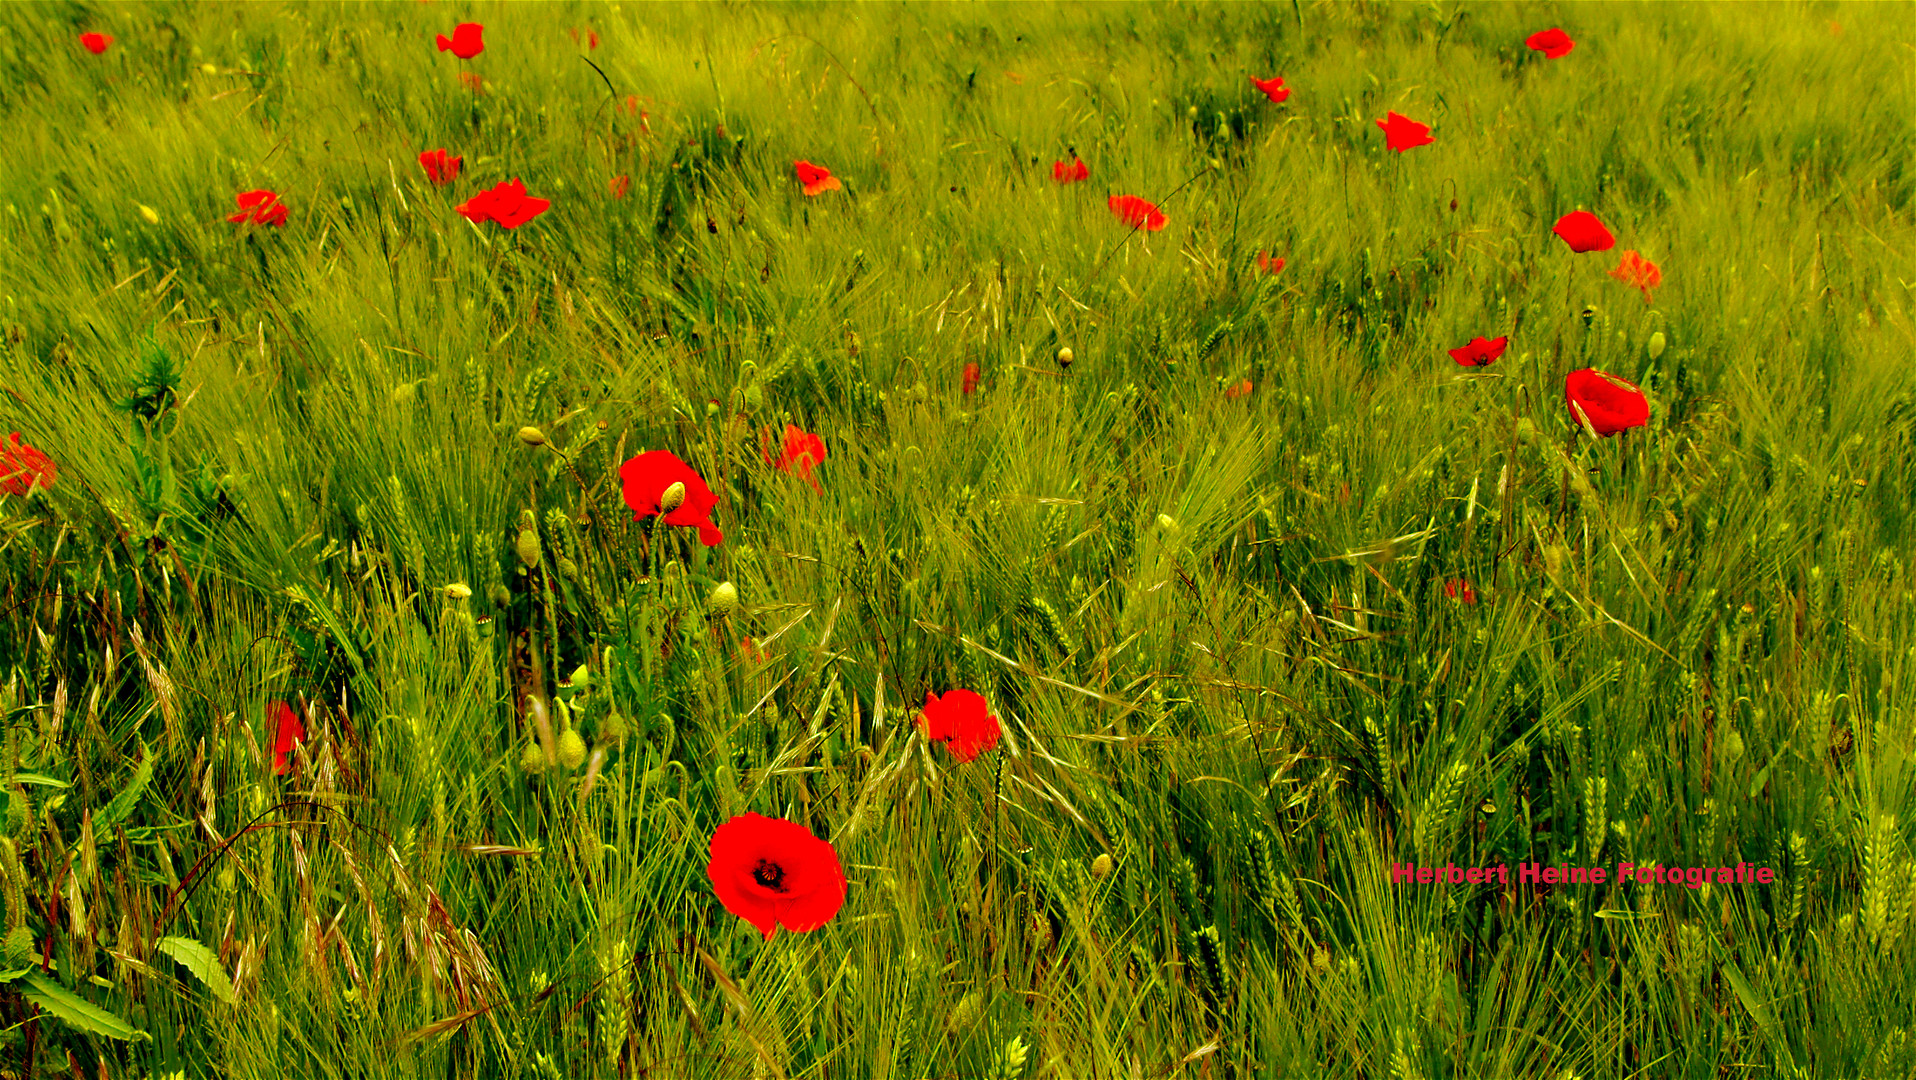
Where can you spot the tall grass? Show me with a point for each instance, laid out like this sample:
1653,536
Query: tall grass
1216,627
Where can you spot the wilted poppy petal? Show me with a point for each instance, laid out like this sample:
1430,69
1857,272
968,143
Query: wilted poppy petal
288,731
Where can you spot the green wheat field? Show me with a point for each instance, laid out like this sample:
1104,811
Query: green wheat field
361,721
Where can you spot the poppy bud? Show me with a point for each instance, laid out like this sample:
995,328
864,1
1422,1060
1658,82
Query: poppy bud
1065,357
532,436
458,590
500,596
1656,344
533,760
528,546
571,749
612,728
723,599
581,677
754,397
151,215
672,497
1101,867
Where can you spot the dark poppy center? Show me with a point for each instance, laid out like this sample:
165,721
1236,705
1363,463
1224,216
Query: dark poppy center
770,875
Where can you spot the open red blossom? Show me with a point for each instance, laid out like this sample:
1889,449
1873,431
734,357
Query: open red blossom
816,179
1240,389
1481,351
1401,132
1583,232
507,205
95,43
440,169
1273,88
1459,589
772,873
260,207
1072,173
621,184
962,720
801,453
23,468
1269,265
1639,272
465,41
287,731
1552,43
972,371
1136,212
1608,404
644,480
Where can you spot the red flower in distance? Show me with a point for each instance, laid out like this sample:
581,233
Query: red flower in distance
644,481
1552,43
1583,232
95,43
1269,265
962,720
971,378
621,184
1241,389
287,731
506,205
465,41
802,452
1136,212
1608,404
1639,272
1072,173
772,872
816,179
23,468
1480,352
471,81
1401,132
1273,88
1459,589
591,39
440,169
260,207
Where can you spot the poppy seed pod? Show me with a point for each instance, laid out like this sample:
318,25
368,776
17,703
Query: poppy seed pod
1065,357
532,436
1656,345
672,497
527,545
533,760
723,599
1101,867
571,748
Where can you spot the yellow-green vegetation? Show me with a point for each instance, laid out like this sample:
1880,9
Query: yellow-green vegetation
1268,593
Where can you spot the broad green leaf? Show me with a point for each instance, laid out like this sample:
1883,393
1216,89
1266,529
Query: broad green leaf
202,962
122,804
36,778
79,1013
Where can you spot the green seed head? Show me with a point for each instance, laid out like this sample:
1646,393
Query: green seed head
571,749
723,599
533,760
532,436
528,546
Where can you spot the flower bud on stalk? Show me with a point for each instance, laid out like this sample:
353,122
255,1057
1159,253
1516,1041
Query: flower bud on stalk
672,498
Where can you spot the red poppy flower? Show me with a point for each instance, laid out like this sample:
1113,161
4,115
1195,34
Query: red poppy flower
802,452
464,42
1552,43
506,205
1637,271
1480,352
95,43
260,207
23,468
288,731
816,179
963,718
971,378
440,169
631,106
620,185
591,39
471,81
1583,232
772,872
1068,174
1136,212
1401,132
1269,265
1459,589
1273,88
1241,389
644,480
1607,403
751,653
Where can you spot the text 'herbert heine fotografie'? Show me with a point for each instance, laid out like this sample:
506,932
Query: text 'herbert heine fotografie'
1694,877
